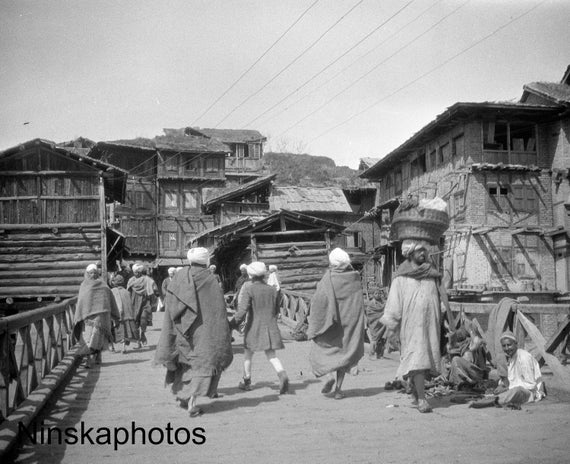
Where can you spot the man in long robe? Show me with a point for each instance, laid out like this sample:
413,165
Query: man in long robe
95,310
413,311
141,287
195,343
336,323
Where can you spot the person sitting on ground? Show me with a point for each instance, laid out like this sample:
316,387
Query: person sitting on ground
469,358
259,301
520,379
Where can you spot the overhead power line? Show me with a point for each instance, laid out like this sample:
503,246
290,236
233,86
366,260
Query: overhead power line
254,63
415,39
376,29
351,64
432,70
290,64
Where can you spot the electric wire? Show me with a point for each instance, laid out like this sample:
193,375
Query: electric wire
254,63
373,31
432,70
350,65
374,68
298,57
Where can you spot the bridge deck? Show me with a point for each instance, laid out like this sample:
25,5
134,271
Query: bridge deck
369,425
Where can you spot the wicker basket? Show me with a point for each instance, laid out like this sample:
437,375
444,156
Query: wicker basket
416,224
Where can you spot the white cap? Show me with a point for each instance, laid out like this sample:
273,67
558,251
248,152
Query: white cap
339,257
256,269
199,255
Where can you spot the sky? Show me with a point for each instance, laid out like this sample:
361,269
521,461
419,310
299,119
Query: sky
340,78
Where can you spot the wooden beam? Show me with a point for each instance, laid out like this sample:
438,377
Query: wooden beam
286,233
73,225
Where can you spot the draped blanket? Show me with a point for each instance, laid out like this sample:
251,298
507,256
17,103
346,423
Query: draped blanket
123,300
413,310
336,323
95,301
195,331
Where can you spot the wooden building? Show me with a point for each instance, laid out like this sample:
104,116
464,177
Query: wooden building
493,164
298,244
167,176
53,220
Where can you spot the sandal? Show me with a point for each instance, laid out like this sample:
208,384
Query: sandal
195,412
327,387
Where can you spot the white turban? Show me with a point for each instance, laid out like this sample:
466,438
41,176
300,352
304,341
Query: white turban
91,267
409,246
339,257
256,269
138,267
199,256
242,267
272,268
171,270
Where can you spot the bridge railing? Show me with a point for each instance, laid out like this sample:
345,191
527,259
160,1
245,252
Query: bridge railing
32,344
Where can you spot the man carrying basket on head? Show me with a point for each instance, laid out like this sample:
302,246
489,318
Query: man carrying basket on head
413,309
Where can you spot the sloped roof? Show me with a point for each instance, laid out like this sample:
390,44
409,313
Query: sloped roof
190,143
227,232
114,177
557,93
139,142
461,111
367,162
228,194
309,199
233,135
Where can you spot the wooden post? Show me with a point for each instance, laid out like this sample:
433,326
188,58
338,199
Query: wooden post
254,253
102,218
328,240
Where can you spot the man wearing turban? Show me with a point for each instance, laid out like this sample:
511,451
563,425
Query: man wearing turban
259,302
413,312
142,290
195,344
336,323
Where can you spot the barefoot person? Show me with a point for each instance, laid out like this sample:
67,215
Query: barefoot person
258,301
413,312
194,344
336,323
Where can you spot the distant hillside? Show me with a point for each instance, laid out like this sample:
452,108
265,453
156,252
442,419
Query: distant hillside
310,171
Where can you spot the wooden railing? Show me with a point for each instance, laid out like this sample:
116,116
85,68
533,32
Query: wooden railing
31,345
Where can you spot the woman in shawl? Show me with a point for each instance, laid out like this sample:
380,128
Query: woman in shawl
140,287
95,308
413,311
336,323
126,331
195,343
259,302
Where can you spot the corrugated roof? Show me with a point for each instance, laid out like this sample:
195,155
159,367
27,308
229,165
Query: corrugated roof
233,135
309,199
557,93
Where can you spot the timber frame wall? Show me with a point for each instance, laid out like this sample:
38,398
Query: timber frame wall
52,223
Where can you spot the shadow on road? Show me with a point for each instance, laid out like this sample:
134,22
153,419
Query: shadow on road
64,409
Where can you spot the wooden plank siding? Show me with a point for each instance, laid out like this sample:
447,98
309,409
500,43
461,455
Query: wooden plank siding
50,264
300,264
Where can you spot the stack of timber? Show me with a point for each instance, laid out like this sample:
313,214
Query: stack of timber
46,261
300,264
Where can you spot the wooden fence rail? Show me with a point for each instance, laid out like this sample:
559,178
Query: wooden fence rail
31,346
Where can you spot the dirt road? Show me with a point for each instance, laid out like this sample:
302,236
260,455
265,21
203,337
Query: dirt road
370,425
